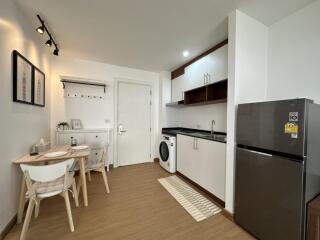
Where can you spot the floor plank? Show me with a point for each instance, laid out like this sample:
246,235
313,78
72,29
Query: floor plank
138,207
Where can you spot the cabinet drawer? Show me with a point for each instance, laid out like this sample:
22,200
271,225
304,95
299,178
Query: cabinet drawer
96,140
65,138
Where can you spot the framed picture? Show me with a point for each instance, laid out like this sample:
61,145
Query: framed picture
22,79
38,87
76,124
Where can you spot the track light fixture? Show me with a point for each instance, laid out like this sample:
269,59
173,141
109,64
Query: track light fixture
42,29
56,52
49,43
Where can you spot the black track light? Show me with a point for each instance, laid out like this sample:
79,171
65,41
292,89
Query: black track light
40,30
56,52
49,43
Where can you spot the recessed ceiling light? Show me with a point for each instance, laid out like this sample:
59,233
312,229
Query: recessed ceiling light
185,53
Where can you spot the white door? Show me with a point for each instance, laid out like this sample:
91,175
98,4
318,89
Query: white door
134,123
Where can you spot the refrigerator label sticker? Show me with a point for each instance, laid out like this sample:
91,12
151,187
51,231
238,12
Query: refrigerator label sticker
294,135
293,117
291,128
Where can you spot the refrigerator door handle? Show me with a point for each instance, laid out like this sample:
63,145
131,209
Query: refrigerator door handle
256,152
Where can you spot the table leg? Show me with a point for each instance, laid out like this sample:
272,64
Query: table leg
83,181
21,200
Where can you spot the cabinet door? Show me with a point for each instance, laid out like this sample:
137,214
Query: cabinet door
195,74
212,163
187,162
177,89
65,138
217,65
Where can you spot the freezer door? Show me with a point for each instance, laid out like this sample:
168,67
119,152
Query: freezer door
263,125
269,195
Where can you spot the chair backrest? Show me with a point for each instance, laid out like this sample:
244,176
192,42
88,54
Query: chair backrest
101,161
46,173
104,157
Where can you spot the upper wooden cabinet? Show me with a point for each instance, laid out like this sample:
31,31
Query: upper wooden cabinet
178,87
208,69
217,65
195,74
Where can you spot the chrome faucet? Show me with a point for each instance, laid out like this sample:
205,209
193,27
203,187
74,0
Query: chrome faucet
213,122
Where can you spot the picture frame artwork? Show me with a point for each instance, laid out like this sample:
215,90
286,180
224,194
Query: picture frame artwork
76,124
22,79
39,87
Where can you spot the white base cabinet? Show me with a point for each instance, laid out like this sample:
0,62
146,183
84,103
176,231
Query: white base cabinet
203,161
97,139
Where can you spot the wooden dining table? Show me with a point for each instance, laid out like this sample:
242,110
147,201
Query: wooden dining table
79,155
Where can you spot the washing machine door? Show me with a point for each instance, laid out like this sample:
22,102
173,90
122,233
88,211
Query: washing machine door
164,151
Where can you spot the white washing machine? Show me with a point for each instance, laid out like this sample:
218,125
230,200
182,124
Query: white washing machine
167,150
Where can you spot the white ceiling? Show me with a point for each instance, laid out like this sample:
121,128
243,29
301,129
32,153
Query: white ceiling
146,34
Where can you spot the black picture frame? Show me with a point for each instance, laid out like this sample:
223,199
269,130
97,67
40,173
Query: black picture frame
39,87
22,73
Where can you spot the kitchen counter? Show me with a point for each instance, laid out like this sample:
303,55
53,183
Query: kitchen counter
217,136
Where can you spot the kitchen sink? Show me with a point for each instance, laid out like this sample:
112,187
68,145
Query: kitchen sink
218,137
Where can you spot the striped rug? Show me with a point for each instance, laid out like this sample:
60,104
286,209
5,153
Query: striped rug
193,202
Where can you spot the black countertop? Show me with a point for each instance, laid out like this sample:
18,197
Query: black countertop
218,136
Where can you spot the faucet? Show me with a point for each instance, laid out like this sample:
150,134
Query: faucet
213,122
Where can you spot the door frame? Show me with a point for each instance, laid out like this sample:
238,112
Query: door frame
117,81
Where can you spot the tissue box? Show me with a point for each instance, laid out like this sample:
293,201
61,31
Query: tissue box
44,147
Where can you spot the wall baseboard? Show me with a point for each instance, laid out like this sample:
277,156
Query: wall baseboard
217,200
8,227
228,215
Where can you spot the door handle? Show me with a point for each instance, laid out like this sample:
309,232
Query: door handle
195,143
256,152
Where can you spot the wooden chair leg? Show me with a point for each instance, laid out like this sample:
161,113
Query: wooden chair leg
37,208
27,220
75,193
89,176
66,199
105,179
78,185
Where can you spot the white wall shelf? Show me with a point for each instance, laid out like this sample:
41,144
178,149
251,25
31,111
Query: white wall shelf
78,91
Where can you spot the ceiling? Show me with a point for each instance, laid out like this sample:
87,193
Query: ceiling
146,34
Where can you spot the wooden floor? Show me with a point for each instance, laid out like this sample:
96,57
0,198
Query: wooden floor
138,207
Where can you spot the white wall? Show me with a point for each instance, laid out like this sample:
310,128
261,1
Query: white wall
94,113
294,55
20,125
247,79
199,117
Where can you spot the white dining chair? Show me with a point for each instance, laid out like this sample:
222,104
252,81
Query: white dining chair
47,181
97,166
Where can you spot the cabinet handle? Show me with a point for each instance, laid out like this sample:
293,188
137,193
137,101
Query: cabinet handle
204,79
196,143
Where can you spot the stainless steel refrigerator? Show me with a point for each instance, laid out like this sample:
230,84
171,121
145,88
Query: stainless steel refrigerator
277,167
